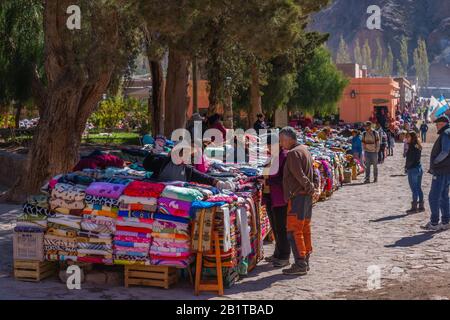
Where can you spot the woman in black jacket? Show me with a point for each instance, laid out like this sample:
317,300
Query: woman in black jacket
414,170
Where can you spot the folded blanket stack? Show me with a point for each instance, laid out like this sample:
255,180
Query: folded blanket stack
35,213
60,240
132,238
67,199
171,240
99,222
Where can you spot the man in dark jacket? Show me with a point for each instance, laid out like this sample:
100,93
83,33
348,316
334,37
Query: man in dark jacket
423,131
440,169
298,189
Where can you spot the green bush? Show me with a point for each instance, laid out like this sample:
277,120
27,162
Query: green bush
121,113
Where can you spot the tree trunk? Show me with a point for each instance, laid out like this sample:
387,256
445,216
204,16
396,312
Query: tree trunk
157,102
228,111
255,95
194,85
19,107
176,92
70,95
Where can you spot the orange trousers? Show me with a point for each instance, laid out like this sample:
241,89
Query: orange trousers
299,233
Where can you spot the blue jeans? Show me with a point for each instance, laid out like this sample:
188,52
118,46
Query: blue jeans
415,183
438,198
424,136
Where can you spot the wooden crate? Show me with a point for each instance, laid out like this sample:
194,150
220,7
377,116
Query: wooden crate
25,270
150,276
28,246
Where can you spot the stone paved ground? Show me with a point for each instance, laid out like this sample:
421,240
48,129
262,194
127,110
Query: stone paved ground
360,226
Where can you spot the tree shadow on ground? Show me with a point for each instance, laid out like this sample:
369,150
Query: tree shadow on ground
390,218
412,240
355,184
259,284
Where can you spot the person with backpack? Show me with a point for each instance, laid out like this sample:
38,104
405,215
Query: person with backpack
371,146
383,144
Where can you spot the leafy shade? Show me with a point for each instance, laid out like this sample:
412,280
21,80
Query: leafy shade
320,85
21,48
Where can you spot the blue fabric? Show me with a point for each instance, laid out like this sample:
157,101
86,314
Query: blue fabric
166,217
439,200
357,144
415,183
148,139
135,214
196,205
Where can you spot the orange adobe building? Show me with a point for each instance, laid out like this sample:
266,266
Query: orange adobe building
366,98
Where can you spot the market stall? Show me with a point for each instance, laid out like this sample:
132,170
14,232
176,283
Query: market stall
111,212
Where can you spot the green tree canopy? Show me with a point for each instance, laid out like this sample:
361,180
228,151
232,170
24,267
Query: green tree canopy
319,85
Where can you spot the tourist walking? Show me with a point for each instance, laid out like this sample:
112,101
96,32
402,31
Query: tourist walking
298,189
371,146
413,168
357,145
440,169
275,204
383,144
423,131
391,142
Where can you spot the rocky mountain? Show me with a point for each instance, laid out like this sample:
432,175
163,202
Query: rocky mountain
427,19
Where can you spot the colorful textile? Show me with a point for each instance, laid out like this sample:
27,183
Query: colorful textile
103,201
110,214
174,207
208,220
183,194
144,189
104,189
65,220
127,208
126,233
33,209
68,192
66,204
135,214
151,201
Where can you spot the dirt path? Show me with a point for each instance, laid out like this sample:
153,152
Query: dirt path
359,227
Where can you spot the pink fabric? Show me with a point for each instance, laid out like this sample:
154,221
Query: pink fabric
132,239
101,161
203,166
134,249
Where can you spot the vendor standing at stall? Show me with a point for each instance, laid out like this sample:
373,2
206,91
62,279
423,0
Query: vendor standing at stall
274,200
298,189
371,146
